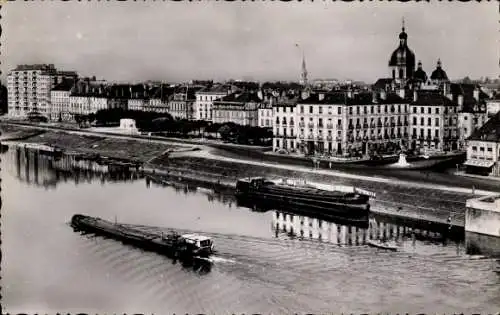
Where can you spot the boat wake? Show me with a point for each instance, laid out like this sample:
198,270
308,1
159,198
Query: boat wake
216,259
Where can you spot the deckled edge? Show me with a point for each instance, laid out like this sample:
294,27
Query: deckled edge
1,5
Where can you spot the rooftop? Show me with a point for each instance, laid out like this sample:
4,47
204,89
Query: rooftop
245,97
65,85
218,89
342,98
43,67
433,98
490,131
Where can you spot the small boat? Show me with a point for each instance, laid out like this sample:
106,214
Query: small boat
383,245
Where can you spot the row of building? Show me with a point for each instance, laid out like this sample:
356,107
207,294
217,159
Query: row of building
407,109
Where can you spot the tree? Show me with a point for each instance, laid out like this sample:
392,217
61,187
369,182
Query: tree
225,132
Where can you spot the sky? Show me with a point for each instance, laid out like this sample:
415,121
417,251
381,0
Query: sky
178,41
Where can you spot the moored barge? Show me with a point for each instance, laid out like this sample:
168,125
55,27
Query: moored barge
170,244
353,203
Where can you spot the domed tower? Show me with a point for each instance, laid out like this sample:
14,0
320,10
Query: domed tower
420,77
439,75
402,62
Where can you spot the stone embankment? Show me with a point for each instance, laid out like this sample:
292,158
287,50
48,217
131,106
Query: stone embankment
392,199
413,200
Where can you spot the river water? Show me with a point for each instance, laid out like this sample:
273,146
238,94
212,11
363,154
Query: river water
262,263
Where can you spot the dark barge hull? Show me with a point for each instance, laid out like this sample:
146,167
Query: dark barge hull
361,221
306,204
127,235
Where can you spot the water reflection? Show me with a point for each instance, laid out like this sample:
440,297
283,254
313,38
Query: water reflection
357,234
45,169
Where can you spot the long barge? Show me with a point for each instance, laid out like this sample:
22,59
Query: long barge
354,203
187,246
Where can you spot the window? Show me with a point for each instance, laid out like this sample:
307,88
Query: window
481,149
437,110
339,110
321,109
310,109
429,110
414,110
414,120
357,110
301,109
436,133
350,110
421,110
429,121
339,122
414,131
437,122
465,118
422,121
490,149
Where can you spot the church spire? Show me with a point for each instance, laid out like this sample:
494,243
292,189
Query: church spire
304,70
403,36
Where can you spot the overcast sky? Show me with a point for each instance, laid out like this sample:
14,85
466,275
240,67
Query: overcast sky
132,41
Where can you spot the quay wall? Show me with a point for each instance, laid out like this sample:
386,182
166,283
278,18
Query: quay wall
483,217
482,226
481,244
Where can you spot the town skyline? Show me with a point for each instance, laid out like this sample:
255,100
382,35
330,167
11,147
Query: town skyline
342,41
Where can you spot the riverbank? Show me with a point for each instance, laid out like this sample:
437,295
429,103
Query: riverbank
394,197
243,153
122,149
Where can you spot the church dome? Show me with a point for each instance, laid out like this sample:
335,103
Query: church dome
420,74
439,74
402,55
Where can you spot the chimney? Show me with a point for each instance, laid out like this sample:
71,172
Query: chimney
260,95
415,96
349,93
383,95
446,89
460,102
321,96
374,97
401,93
476,93
305,94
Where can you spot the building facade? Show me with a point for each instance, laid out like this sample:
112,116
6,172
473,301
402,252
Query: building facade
240,108
204,101
265,115
342,124
29,88
483,149
433,122
60,101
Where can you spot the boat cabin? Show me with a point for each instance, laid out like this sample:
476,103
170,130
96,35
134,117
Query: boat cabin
199,243
244,184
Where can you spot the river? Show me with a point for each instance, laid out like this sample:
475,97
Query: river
261,265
